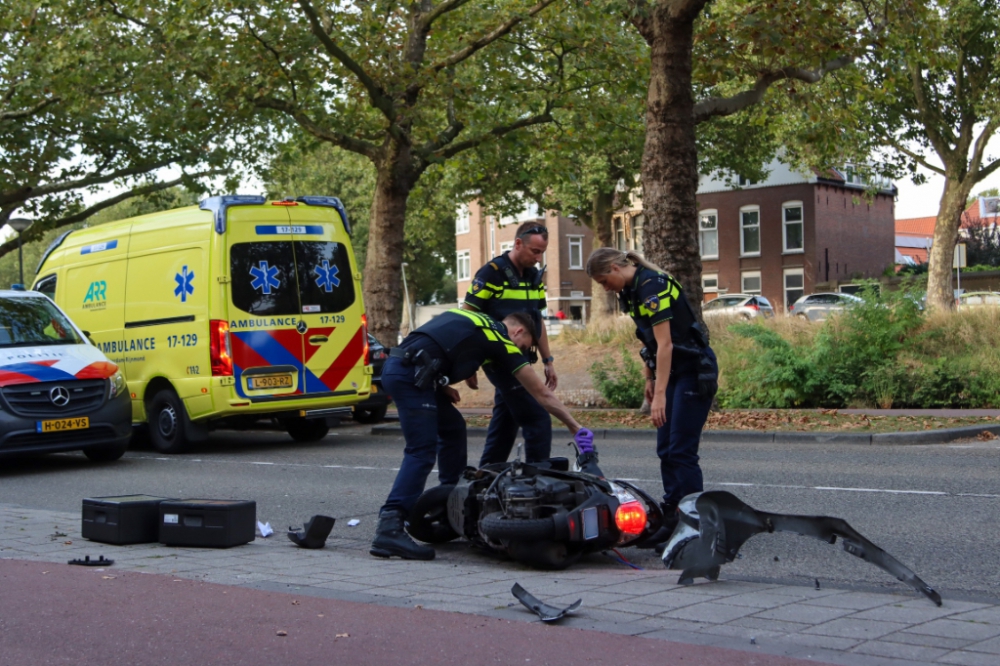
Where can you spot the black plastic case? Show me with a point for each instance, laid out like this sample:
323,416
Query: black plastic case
122,520
209,523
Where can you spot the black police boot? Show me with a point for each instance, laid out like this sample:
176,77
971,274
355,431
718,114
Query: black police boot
658,539
390,539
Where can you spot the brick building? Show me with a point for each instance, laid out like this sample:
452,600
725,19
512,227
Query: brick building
786,236
480,236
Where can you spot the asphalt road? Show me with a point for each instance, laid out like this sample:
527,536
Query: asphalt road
935,508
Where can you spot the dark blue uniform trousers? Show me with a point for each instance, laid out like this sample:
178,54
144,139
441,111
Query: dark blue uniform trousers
677,439
514,407
433,428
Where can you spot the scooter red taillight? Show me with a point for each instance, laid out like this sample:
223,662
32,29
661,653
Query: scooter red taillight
220,349
631,518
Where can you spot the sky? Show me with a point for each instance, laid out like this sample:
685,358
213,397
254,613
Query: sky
923,200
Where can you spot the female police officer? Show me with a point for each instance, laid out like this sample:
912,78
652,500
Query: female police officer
448,349
681,370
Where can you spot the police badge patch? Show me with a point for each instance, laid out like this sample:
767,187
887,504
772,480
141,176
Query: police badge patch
653,303
477,285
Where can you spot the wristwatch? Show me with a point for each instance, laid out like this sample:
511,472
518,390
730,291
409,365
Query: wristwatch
548,360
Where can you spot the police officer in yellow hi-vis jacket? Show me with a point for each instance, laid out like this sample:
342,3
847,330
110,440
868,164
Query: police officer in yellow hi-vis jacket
450,348
507,284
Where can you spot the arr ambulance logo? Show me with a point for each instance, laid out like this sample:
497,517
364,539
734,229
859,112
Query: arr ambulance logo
97,296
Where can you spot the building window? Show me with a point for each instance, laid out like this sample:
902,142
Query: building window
464,265
708,234
621,241
750,231
576,252
506,247
745,182
710,283
794,286
638,222
462,220
751,282
792,214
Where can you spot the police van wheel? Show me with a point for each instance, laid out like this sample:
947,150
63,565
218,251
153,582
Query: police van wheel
307,430
167,422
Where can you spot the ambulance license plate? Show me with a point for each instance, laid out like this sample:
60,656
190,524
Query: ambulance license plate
60,425
269,382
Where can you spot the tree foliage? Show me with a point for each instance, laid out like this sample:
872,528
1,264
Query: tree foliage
931,95
84,109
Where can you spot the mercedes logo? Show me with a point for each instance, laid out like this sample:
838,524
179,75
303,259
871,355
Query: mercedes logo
302,327
59,396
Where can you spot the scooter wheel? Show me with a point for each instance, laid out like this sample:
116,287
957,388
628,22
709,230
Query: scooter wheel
495,526
428,520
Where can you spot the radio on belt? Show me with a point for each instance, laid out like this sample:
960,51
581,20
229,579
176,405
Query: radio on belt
122,520
205,522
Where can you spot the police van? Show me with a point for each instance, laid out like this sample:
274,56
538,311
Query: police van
222,314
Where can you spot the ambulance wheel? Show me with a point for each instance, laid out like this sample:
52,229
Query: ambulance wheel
167,422
307,430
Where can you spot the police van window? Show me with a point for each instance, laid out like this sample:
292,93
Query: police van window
325,278
47,285
264,281
30,322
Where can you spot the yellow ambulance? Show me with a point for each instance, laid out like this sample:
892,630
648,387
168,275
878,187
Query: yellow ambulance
222,314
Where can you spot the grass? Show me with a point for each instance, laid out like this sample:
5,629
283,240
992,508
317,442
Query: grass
777,420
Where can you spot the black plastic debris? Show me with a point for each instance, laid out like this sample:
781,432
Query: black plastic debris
543,610
314,532
87,562
714,525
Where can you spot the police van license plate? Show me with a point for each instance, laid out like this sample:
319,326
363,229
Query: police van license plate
269,382
60,425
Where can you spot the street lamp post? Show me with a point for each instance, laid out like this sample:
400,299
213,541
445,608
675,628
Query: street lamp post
19,224
406,295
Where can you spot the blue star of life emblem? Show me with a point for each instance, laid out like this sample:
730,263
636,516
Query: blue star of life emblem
265,278
327,276
184,286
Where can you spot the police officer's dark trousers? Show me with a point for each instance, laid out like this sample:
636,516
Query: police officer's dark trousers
433,429
677,439
514,407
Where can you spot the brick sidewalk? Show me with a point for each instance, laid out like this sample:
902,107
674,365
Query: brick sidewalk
828,625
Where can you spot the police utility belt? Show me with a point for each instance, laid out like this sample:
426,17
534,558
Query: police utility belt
428,372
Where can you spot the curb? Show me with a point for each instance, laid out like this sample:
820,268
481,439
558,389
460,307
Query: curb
942,436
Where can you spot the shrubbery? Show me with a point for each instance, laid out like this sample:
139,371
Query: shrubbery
881,353
621,385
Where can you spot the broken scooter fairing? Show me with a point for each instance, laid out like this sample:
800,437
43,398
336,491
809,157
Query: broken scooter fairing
714,525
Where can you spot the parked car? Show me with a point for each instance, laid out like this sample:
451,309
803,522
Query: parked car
979,299
746,306
58,392
817,307
373,409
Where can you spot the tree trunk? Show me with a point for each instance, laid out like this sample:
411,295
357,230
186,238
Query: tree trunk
670,156
601,224
940,293
382,280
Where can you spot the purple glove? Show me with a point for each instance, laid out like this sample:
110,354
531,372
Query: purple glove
584,441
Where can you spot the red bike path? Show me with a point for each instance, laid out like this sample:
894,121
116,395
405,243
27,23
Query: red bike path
59,614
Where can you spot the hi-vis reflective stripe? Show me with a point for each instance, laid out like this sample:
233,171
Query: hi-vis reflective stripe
667,298
518,294
486,325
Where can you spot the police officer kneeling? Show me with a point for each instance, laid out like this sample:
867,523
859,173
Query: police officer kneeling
449,349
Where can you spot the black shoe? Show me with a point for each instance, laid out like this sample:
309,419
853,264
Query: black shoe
658,539
390,539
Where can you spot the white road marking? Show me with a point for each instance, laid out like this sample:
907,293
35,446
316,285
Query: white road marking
736,484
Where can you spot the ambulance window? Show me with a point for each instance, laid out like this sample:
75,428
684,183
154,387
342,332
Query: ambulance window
47,285
264,278
325,277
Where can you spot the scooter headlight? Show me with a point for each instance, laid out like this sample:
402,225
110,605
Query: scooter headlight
117,384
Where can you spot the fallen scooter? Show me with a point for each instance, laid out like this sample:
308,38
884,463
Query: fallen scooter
541,514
